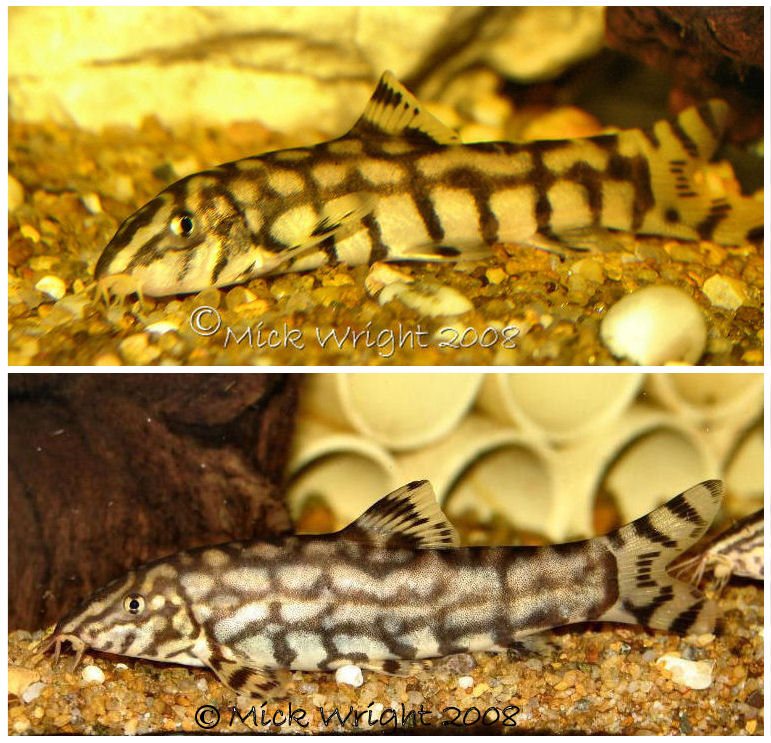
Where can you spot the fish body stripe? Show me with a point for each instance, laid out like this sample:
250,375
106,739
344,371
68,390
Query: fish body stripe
392,589
417,192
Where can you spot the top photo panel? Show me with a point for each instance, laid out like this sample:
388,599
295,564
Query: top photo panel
385,186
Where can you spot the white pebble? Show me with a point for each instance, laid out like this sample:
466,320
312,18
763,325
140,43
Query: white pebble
695,674
381,275
655,325
161,327
32,692
430,300
465,682
723,291
15,193
92,202
92,674
121,666
53,286
350,675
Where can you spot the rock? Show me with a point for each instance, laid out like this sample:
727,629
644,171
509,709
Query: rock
287,68
15,193
690,673
465,682
53,286
161,327
655,325
92,675
92,202
723,291
32,692
381,274
136,349
20,678
28,232
350,675
430,300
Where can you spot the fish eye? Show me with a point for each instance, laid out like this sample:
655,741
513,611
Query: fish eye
182,224
133,603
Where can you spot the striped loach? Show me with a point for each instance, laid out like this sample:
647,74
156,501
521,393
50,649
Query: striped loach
390,591
738,550
401,186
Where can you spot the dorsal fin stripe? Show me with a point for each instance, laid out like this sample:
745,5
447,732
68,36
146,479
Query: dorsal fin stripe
395,112
411,514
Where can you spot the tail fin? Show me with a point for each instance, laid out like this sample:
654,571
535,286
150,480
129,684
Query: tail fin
647,594
691,203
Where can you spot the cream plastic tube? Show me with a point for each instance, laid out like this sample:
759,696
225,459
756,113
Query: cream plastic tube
643,459
492,469
348,471
557,407
709,398
401,411
744,467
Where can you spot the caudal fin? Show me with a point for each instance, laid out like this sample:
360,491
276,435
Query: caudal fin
691,202
647,594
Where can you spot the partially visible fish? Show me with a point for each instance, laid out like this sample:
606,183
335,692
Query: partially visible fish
736,551
386,593
401,186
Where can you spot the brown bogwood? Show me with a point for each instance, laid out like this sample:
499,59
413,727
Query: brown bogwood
707,50
107,471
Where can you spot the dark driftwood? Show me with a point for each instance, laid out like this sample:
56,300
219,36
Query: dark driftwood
708,50
107,471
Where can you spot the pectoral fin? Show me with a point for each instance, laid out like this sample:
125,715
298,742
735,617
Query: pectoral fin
338,219
249,679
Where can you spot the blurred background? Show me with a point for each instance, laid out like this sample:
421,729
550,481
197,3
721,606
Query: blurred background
299,67
524,457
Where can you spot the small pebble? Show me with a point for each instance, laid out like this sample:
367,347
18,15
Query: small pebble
350,675
430,300
20,678
15,193
465,682
381,275
29,233
655,325
161,327
32,692
723,291
92,674
92,202
136,349
53,286
690,673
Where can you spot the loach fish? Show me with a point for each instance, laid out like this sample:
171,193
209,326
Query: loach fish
401,186
736,551
387,592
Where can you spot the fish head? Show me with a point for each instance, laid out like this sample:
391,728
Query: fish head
140,615
190,237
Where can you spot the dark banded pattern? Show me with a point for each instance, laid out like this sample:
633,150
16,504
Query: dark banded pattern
401,186
388,592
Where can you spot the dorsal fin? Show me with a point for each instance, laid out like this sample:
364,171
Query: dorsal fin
394,112
411,513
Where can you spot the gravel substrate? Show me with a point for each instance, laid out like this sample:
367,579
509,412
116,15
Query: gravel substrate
585,679
69,190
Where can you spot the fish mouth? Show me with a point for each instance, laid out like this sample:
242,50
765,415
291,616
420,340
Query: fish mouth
57,639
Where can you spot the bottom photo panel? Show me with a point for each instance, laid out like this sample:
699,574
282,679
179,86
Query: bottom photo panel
388,553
